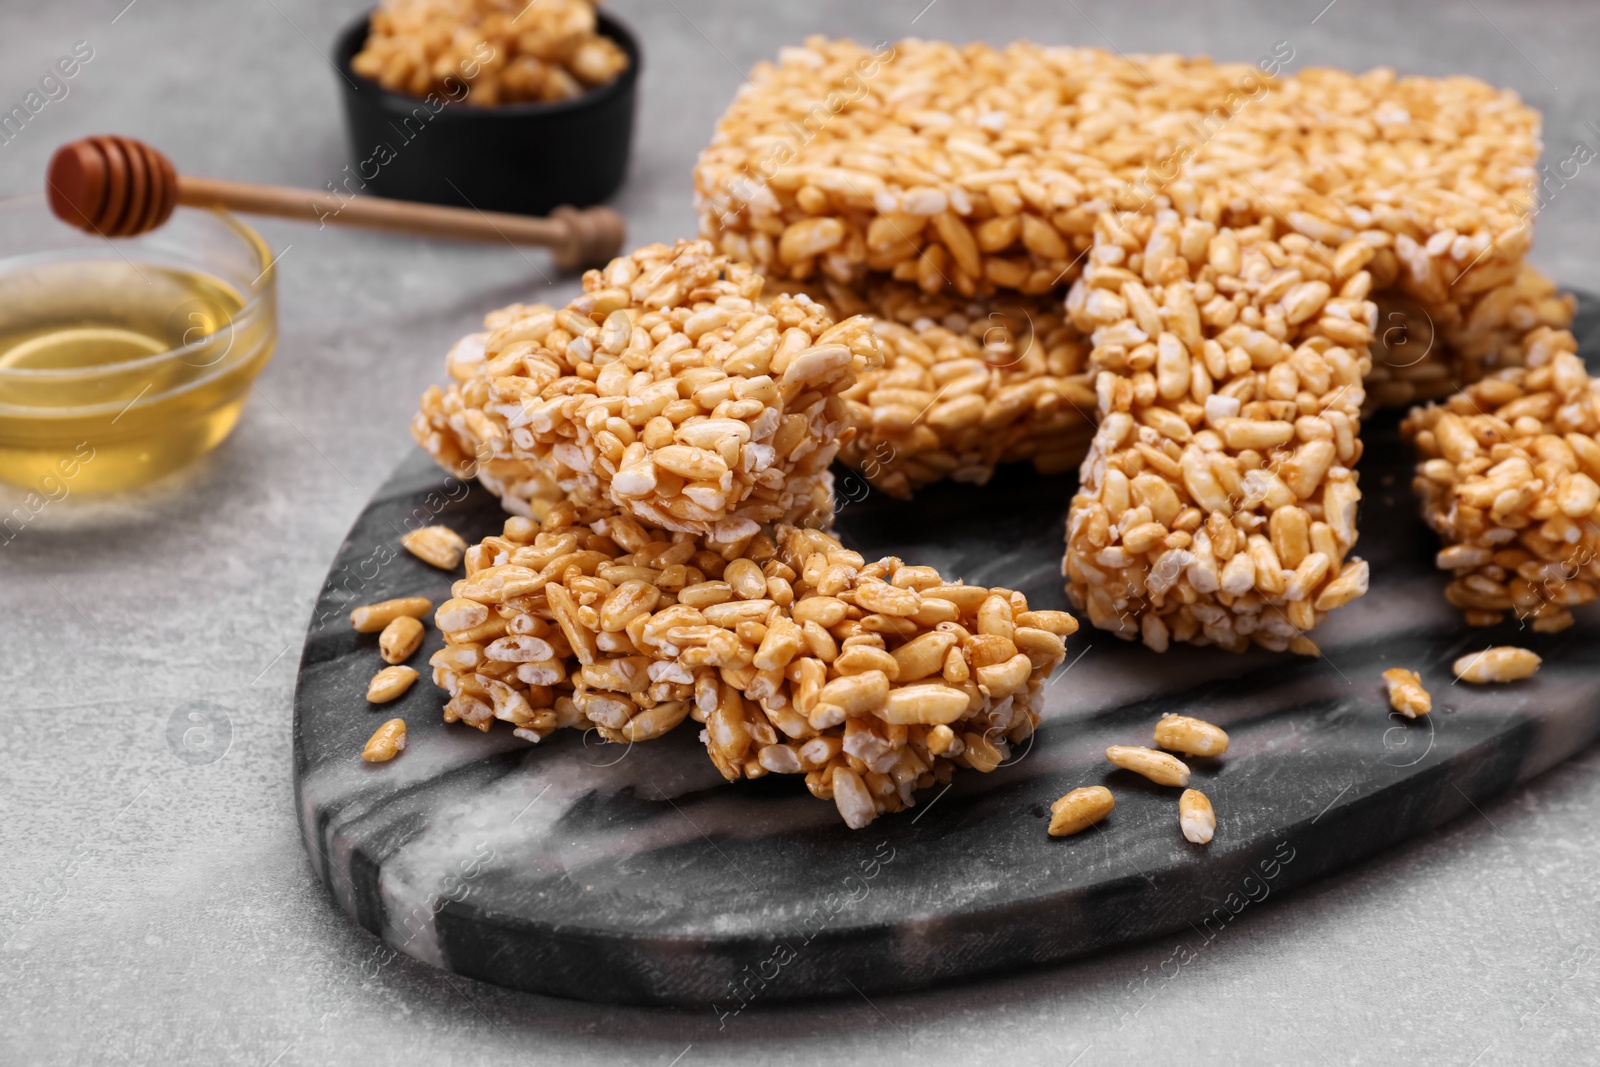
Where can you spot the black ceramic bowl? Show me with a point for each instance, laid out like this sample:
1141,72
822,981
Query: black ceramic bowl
527,158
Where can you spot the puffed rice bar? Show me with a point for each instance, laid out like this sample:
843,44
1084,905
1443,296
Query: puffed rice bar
1509,477
1415,359
668,388
1218,501
872,679
967,384
970,168
895,678
516,645
983,168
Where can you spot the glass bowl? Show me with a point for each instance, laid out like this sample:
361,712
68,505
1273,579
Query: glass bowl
124,359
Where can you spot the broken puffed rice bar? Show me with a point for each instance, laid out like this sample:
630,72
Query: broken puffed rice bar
1218,500
967,384
1416,359
950,167
873,680
1508,475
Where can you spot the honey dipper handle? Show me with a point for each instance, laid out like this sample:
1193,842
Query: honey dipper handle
576,238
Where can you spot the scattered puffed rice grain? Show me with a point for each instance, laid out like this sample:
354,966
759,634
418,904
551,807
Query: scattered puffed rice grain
370,618
1159,767
400,639
390,683
1406,694
1079,810
1195,817
438,545
1192,737
1504,663
386,742
458,614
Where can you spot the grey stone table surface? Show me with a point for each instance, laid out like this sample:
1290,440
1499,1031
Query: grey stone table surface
156,903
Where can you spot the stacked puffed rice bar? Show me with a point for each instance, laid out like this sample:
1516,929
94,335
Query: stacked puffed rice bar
667,389
1178,273
1239,248
672,435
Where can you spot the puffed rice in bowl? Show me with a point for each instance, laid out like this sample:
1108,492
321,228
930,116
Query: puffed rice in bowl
520,78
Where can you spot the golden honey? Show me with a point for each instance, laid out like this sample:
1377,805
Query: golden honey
115,371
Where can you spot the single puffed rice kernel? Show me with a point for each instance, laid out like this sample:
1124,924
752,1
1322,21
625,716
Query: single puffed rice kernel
1000,680
1406,694
457,614
852,798
386,742
857,693
438,545
926,704
1192,737
1505,663
1195,817
858,659
922,655
1079,810
746,579
400,639
370,618
983,755
1159,767
650,724
1057,622
389,683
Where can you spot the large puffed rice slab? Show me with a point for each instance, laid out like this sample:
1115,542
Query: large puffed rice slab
980,167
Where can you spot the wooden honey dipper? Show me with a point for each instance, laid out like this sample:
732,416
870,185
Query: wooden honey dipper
117,187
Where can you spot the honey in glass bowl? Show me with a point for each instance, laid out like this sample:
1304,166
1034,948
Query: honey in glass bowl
122,360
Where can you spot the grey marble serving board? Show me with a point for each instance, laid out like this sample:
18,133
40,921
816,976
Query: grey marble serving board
634,874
